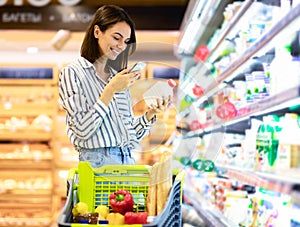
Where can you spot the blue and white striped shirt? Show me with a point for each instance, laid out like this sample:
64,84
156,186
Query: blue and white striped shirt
90,123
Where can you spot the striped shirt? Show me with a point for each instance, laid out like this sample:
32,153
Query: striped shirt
90,123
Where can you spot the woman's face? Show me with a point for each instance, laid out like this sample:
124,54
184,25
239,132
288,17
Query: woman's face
114,40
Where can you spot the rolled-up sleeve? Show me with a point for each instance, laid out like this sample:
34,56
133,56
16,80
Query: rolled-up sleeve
142,126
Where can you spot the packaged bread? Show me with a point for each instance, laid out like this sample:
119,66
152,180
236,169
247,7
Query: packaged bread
159,185
151,198
164,181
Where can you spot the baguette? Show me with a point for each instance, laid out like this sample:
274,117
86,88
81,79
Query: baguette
164,181
151,197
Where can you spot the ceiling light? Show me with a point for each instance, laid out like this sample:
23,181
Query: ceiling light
32,50
60,39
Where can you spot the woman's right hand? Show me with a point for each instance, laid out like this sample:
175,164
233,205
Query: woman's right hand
123,80
120,82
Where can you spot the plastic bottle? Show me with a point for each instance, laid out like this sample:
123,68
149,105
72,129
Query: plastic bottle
267,142
249,143
159,90
282,67
289,144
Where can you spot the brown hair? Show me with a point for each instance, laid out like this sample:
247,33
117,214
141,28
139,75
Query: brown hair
105,17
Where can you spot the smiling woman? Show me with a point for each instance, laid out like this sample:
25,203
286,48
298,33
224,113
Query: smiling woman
94,91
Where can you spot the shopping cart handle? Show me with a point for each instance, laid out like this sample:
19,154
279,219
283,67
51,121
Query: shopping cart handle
118,169
72,173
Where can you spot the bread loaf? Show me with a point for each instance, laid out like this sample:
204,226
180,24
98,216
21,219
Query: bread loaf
151,198
159,185
164,181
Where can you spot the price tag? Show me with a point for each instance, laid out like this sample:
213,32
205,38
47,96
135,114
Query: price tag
226,111
208,165
198,164
186,161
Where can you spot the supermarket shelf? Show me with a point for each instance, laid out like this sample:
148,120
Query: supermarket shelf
277,104
283,182
295,194
233,24
230,26
264,43
23,163
30,193
66,164
30,222
228,29
211,216
61,192
26,109
213,19
214,218
280,103
25,135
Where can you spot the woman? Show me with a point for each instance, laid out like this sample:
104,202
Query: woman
94,91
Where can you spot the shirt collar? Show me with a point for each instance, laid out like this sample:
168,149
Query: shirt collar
85,63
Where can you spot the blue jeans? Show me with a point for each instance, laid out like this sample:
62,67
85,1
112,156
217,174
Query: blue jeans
106,156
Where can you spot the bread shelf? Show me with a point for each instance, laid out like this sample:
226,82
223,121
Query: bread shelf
26,157
26,109
30,222
26,164
25,135
32,196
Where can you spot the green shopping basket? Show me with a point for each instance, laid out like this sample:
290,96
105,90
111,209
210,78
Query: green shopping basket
94,185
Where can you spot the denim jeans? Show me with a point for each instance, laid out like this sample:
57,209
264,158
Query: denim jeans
106,156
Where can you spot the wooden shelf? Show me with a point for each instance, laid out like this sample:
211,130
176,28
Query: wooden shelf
25,164
33,193
25,222
25,135
27,109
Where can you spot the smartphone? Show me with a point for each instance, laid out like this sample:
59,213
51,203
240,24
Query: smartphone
138,66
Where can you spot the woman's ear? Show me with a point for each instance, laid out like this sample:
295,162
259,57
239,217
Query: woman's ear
97,31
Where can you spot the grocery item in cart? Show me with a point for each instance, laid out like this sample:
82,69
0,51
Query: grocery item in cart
94,185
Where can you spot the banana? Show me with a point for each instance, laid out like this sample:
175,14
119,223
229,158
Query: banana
103,211
80,208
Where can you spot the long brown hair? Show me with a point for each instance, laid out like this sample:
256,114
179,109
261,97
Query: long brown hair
105,17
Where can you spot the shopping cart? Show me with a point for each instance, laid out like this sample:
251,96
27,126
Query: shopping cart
94,185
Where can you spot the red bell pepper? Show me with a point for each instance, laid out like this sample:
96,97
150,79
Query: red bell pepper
136,218
121,201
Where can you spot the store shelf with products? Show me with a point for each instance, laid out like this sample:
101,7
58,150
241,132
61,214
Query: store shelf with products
285,182
28,105
25,156
245,89
284,102
26,197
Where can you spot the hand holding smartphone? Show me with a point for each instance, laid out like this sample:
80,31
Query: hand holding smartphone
139,66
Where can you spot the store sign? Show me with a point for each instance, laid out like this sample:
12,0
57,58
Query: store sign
38,3
66,14
26,73
74,18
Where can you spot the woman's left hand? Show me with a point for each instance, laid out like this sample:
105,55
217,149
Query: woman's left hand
160,107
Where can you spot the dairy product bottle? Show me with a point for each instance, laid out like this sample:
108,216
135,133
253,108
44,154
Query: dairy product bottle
159,90
284,65
267,140
289,144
